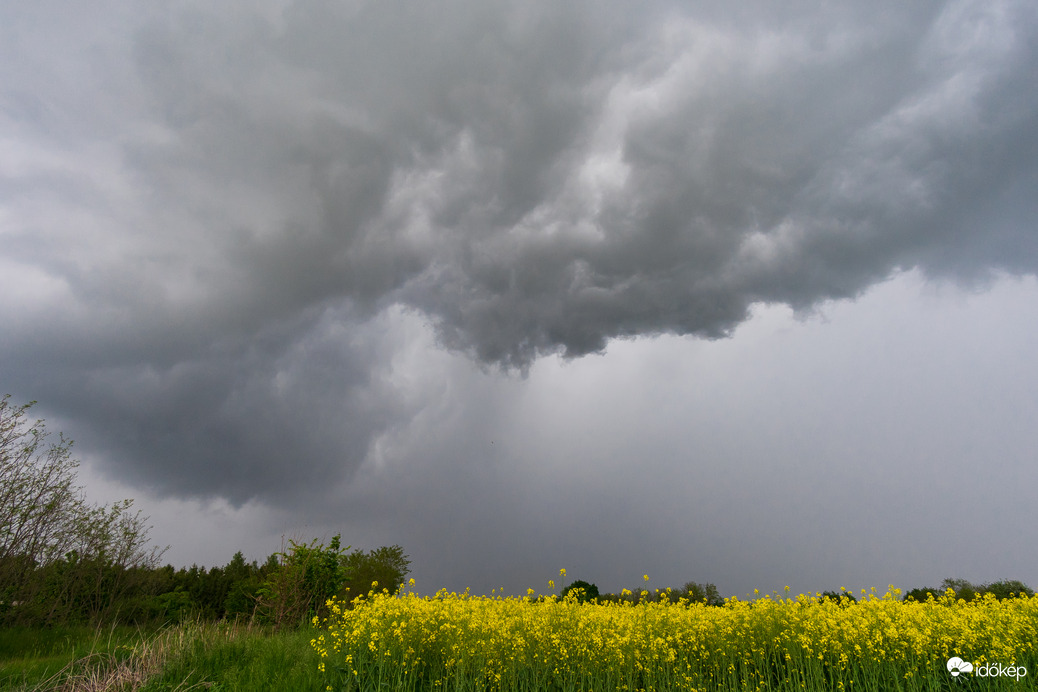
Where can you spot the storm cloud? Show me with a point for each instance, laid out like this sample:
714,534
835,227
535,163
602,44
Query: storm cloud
249,251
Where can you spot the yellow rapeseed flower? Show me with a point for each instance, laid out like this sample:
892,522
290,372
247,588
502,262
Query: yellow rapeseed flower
510,642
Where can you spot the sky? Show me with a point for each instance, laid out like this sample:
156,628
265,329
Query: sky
733,293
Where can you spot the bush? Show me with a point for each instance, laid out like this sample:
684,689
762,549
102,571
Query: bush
308,574
1008,589
922,595
702,593
387,567
967,592
582,591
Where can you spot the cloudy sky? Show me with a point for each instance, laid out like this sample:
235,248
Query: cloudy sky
742,294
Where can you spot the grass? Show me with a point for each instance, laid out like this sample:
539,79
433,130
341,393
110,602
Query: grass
220,657
230,657
31,658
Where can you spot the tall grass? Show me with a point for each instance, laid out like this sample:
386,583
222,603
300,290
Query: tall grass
40,658
241,657
221,657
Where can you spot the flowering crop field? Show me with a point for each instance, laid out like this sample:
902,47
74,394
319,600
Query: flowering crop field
454,641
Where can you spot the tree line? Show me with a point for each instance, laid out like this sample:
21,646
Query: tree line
707,594
64,560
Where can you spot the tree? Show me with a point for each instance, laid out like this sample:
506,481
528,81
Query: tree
243,585
1009,589
40,503
307,575
702,593
968,591
59,554
582,591
923,594
383,568
841,597
963,589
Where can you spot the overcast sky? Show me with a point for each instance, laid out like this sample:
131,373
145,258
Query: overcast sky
733,293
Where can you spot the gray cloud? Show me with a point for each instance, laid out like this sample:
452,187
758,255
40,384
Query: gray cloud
536,181
224,227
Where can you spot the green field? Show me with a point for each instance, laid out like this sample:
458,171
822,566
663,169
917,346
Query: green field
218,657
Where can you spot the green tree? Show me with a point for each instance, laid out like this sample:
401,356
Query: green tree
40,503
383,568
967,591
582,591
702,593
922,595
963,589
1008,589
243,587
58,554
307,575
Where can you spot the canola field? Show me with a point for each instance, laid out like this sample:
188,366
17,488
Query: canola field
454,641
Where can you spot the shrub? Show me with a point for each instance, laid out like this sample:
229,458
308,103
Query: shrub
582,591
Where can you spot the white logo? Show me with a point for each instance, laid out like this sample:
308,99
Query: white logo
956,666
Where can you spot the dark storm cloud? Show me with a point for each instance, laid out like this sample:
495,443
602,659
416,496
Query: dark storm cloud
210,213
267,418
759,164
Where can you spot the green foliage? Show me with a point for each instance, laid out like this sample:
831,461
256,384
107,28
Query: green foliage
189,656
241,598
582,591
307,575
173,606
1008,589
383,568
702,593
962,588
38,658
967,591
691,592
60,558
922,595
246,658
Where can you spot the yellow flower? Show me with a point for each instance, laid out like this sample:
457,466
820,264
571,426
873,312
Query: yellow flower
671,646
